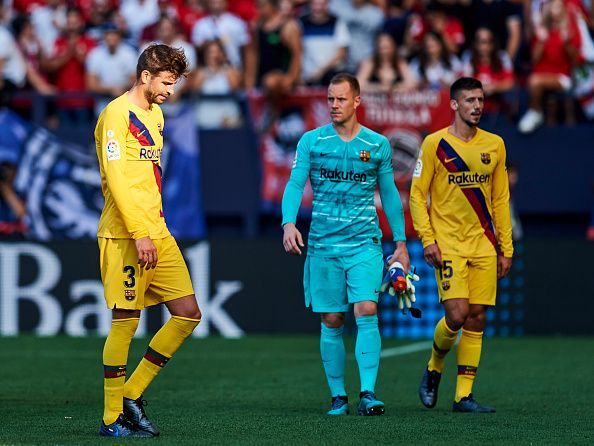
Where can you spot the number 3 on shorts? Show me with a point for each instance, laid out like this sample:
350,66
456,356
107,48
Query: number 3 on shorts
446,271
130,271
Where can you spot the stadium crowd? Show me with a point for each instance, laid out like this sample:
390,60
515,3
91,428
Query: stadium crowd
90,46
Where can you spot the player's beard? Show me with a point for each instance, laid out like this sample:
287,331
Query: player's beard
151,96
472,124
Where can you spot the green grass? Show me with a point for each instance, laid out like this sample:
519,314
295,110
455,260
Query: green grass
271,390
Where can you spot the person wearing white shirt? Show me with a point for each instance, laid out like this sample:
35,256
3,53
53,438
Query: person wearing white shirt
325,44
111,67
138,15
225,27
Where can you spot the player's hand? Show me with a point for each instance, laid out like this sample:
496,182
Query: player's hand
147,253
407,298
432,255
503,266
401,255
292,240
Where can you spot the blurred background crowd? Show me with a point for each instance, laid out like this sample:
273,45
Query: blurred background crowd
82,46
534,57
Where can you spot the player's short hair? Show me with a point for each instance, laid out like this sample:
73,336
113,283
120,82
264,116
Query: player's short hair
350,79
157,58
464,83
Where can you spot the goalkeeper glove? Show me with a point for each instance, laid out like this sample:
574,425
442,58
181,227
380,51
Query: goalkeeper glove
398,284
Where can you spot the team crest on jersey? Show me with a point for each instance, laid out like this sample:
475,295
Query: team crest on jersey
159,128
364,155
445,285
130,294
486,158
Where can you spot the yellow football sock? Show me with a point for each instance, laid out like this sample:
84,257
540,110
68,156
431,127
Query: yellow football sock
444,339
468,356
161,348
115,357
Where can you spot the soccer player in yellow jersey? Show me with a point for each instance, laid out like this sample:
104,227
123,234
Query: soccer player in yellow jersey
466,235
141,264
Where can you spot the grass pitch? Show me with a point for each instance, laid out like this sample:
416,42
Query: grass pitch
271,390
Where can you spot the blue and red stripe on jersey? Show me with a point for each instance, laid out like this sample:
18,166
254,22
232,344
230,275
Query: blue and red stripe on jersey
140,131
453,162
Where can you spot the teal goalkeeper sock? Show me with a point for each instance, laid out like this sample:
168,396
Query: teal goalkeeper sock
367,350
333,358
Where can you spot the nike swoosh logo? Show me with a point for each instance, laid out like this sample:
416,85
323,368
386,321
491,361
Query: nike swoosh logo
324,154
376,291
449,160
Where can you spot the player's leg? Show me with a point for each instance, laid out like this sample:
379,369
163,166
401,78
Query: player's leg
123,285
325,291
172,286
483,282
364,275
452,281
333,356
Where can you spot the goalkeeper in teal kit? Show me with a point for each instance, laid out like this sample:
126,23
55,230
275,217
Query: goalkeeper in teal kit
345,161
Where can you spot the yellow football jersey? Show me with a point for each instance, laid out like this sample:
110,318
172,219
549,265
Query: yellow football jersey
468,192
129,141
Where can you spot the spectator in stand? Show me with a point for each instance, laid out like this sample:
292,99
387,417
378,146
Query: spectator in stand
386,71
325,44
166,9
99,15
12,207
491,66
31,49
190,11
363,20
447,26
555,48
67,67
278,58
49,21
139,14
216,76
504,17
169,33
397,20
111,67
229,29
13,69
435,67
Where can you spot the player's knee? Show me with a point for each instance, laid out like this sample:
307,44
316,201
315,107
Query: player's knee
476,321
456,320
333,320
366,308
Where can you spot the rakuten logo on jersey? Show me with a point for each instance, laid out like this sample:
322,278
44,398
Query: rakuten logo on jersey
337,176
468,179
150,154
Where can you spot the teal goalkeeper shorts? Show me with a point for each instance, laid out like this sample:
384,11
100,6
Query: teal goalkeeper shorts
332,283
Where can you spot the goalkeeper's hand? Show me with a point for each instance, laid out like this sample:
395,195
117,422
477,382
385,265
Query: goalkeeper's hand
407,297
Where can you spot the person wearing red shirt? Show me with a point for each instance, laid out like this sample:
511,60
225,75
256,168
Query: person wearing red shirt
555,48
67,68
490,65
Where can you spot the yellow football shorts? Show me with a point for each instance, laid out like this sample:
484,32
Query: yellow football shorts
130,287
472,278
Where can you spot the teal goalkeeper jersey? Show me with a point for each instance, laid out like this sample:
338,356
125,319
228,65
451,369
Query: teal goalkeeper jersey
343,177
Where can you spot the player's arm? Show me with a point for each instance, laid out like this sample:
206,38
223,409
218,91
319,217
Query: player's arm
111,132
392,206
292,239
501,214
421,183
